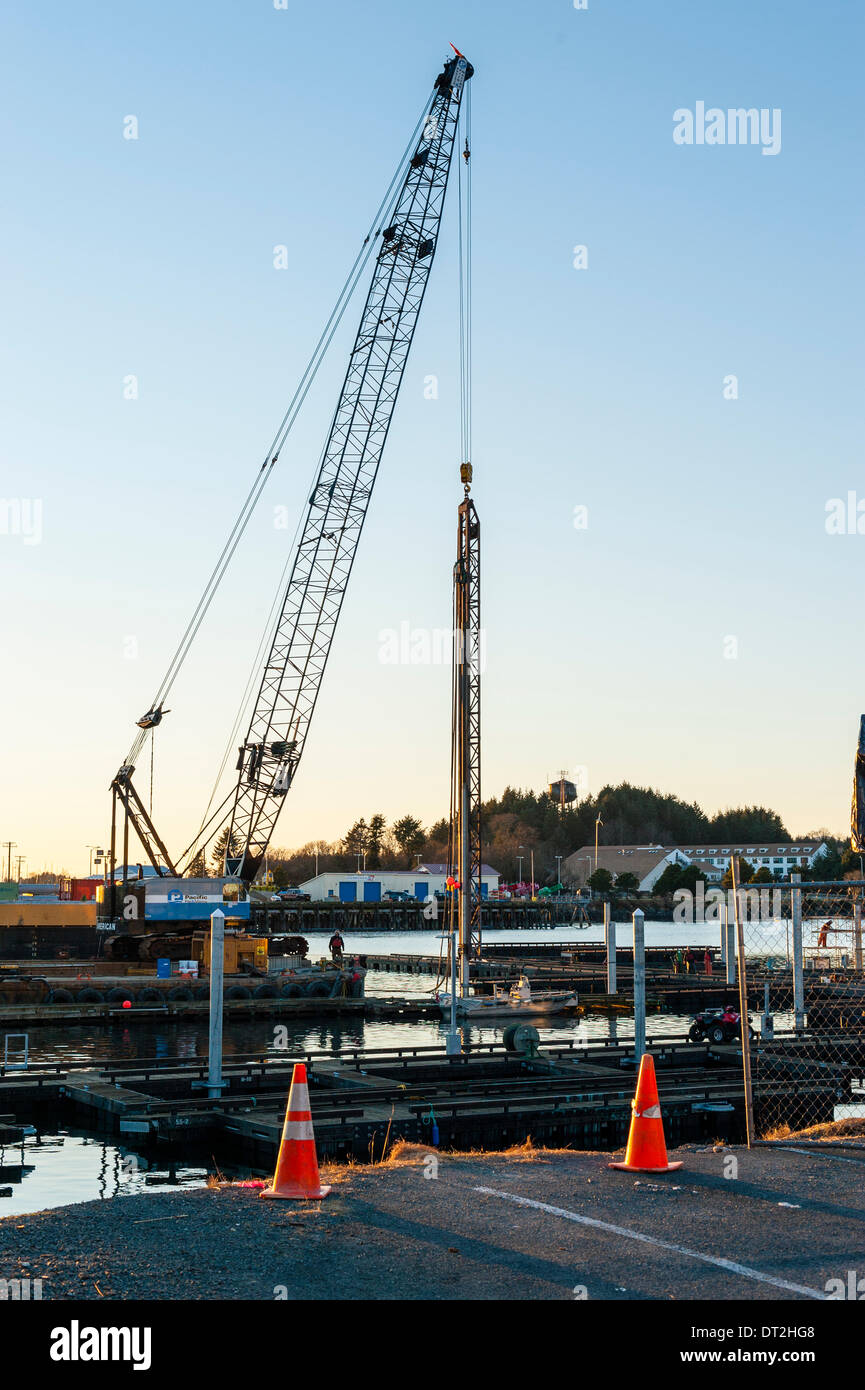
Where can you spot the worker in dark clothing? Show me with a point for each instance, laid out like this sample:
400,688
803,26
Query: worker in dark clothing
337,946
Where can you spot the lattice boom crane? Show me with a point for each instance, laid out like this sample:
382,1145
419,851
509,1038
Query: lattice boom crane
337,508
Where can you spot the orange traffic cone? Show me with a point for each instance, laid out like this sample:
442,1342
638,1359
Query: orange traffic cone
647,1152
297,1166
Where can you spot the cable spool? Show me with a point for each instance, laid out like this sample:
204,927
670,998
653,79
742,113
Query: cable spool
522,1038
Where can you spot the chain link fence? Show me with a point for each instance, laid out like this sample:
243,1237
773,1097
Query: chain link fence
803,950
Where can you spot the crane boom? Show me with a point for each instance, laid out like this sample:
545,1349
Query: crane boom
337,508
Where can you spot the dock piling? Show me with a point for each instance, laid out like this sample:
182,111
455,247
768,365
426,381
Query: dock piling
798,955
610,941
728,939
217,966
639,984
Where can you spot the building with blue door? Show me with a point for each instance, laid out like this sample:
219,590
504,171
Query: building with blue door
374,885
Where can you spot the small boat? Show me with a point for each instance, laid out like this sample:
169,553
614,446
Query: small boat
519,1002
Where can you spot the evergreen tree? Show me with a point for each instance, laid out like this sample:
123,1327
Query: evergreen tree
375,835
197,866
225,845
409,836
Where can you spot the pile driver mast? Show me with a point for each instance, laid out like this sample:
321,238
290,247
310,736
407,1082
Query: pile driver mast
467,727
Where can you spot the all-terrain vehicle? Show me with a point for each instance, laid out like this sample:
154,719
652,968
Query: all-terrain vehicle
718,1026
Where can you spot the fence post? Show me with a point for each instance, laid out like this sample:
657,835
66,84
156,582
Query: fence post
798,955
857,937
610,941
639,985
217,966
744,1022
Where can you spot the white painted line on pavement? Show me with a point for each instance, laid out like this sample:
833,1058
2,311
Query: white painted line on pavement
819,1153
729,1265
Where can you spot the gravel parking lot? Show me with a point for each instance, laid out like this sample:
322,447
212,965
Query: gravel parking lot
731,1224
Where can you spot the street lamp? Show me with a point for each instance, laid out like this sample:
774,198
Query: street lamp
533,876
558,869
520,862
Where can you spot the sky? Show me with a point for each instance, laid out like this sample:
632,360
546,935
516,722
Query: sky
667,424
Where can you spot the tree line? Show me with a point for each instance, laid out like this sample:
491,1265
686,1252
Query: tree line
519,823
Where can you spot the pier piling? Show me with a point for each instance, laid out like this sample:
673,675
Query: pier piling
217,967
639,985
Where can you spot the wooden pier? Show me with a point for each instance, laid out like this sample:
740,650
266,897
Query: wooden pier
238,1010
571,966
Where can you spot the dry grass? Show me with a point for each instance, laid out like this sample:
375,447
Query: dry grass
404,1152
832,1130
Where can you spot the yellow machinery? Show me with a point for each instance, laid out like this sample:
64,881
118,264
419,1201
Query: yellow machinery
242,952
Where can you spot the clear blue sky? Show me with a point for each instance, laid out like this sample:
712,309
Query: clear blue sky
601,387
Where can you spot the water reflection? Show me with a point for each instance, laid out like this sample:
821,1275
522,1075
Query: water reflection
61,1167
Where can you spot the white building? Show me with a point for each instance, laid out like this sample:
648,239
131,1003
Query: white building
645,862
648,862
781,860
371,886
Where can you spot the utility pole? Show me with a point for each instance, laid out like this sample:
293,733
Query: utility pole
9,845
21,858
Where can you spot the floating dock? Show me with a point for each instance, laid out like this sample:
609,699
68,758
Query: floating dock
488,1097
